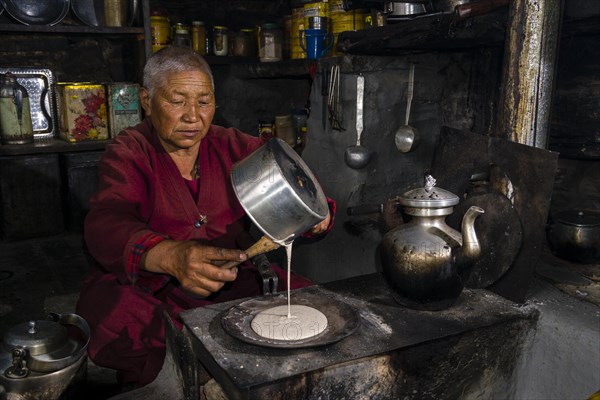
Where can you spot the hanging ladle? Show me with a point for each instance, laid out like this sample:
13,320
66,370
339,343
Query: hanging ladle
407,136
358,156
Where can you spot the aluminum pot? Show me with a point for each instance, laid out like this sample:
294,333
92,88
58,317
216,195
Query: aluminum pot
278,191
575,235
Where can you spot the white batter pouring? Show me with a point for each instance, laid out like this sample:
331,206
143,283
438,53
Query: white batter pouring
291,322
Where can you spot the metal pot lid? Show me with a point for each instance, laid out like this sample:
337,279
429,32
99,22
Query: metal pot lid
578,218
38,337
428,196
299,176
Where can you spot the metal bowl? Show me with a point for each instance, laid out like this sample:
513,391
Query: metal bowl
575,235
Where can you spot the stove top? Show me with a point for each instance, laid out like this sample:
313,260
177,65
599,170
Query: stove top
385,326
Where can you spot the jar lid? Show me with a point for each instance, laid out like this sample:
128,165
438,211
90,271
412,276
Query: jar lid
578,218
269,25
38,337
197,23
220,27
428,196
247,30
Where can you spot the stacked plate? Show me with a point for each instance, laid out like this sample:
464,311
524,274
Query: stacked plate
90,12
32,12
51,12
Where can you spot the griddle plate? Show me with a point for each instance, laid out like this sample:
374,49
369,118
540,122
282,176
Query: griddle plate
342,319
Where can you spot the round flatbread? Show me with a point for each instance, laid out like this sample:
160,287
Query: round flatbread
273,323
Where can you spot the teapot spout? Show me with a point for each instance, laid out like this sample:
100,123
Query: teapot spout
470,249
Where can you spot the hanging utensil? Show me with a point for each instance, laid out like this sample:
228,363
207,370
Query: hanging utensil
358,156
334,99
407,136
324,94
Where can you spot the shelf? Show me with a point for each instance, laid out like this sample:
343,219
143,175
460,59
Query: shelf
438,31
70,29
51,146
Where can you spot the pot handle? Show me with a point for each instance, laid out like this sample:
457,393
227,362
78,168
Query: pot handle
263,245
46,362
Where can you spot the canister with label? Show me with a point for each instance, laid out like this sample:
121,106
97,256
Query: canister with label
124,106
160,29
83,111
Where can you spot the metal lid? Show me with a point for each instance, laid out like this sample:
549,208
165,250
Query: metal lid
428,196
38,337
578,218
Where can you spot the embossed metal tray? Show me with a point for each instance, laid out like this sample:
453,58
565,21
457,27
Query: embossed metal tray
39,83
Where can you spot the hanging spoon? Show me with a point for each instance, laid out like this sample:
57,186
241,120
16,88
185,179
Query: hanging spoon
358,156
407,136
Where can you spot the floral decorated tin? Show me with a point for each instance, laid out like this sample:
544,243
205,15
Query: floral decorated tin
124,106
83,111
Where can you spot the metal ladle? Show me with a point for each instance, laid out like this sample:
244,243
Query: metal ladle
407,136
358,156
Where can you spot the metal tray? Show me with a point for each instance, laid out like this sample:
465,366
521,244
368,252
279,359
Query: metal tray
39,83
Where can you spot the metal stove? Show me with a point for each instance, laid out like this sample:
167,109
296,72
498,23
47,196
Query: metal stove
384,357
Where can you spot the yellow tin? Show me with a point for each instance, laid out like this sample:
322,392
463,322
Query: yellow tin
296,51
342,21
82,111
160,30
319,9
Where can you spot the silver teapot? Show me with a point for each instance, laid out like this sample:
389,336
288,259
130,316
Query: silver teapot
423,258
44,359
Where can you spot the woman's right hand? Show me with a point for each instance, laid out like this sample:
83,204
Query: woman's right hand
194,265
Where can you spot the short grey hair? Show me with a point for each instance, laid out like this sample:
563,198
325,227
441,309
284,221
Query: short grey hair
172,59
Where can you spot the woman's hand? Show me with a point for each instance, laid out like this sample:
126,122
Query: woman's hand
321,226
194,265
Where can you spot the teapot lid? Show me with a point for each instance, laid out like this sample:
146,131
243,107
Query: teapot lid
38,337
579,218
428,196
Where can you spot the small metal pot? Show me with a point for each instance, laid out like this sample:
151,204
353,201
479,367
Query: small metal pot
40,360
278,191
575,235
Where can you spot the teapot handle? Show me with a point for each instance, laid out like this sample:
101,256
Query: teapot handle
48,363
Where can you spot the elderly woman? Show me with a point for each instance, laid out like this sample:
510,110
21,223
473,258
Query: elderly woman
164,217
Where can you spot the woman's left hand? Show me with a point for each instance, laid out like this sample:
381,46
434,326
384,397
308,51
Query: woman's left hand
321,226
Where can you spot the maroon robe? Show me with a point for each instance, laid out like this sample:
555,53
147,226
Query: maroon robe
141,200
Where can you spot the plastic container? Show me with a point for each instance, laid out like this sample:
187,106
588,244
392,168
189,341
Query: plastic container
270,43
244,43
182,36
220,40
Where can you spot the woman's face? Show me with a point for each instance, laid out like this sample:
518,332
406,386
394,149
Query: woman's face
182,109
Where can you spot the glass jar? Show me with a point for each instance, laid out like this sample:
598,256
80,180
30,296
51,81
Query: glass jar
220,41
182,36
284,129
244,44
270,43
199,37
160,30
